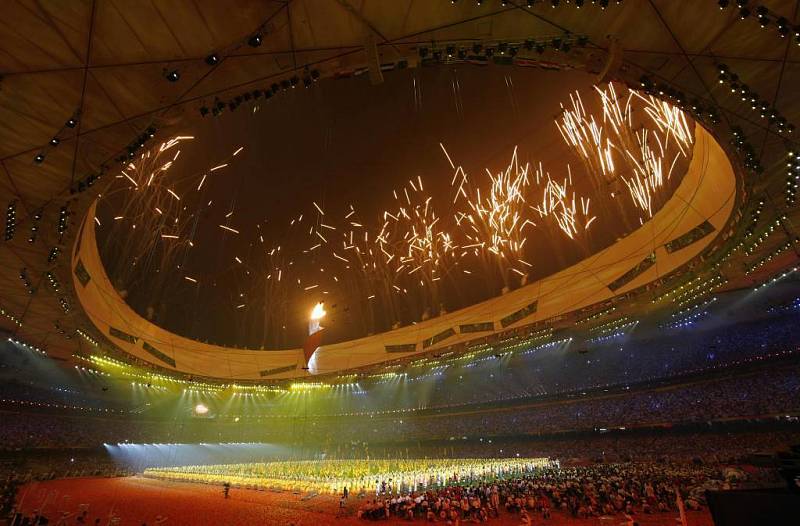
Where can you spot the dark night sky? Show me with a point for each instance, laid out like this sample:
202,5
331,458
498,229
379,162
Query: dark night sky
341,142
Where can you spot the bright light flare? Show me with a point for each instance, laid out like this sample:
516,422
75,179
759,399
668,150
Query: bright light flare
318,312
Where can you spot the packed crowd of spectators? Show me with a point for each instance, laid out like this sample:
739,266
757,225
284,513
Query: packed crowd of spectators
530,372
764,393
648,355
760,394
666,445
31,395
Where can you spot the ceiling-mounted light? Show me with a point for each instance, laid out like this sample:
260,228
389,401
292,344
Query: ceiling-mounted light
255,40
783,27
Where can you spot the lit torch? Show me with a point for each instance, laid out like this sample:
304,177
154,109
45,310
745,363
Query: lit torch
314,339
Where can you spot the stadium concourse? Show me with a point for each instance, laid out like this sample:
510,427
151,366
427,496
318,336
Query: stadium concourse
316,262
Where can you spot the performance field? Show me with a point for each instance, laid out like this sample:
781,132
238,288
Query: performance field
362,477
136,501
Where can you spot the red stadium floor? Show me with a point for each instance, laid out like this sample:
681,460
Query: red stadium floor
138,501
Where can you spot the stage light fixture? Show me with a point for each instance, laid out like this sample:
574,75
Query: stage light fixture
71,123
212,59
39,158
172,76
54,141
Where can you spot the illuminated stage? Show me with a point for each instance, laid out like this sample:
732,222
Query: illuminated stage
359,476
